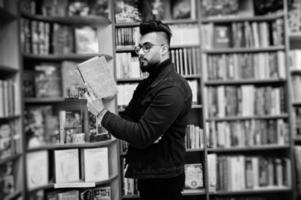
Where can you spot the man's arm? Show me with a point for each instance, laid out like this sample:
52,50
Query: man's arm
162,112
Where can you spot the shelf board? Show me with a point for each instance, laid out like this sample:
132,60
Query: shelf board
253,191
270,147
244,81
229,19
46,100
247,117
295,71
194,150
71,20
134,196
297,140
13,195
9,118
63,57
193,192
124,49
84,184
296,103
9,158
295,36
244,50
196,106
70,146
170,22
129,80
136,80
6,16
180,46
131,48
7,71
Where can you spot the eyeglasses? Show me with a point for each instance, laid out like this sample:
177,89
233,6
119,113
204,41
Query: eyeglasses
145,47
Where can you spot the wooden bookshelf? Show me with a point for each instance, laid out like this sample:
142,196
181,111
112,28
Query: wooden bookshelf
73,57
244,82
243,50
76,20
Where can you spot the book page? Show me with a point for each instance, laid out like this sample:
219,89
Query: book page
98,76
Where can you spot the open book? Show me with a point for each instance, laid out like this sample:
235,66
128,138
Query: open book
97,74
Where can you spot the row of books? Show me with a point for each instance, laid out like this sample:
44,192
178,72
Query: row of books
101,193
43,38
297,121
296,83
297,156
182,34
72,167
136,11
52,125
294,17
9,98
125,92
247,133
127,37
236,173
7,179
186,60
9,140
49,79
127,66
246,66
243,34
294,59
64,8
194,179
245,100
194,138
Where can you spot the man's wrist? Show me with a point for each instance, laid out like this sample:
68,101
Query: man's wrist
101,114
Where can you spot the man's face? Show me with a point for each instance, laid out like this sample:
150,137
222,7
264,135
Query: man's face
150,50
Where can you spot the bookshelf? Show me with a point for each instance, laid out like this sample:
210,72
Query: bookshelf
185,53
59,130
228,143
11,137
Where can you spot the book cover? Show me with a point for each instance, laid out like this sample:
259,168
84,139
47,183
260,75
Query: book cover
72,80
222,36
37,169
102,193
28,83
96,164
7,181
86,195
194,176
127,11
212,8
86,40
94,70
47,80
69,195
66,165
183,9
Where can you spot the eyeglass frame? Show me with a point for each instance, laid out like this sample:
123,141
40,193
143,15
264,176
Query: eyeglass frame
144,48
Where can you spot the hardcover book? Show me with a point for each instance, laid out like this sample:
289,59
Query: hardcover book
37,169
194,176
66,165
96,164
47,80
102,193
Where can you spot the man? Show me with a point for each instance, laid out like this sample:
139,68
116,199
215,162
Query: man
154,122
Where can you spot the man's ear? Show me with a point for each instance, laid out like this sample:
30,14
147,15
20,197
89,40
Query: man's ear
164,50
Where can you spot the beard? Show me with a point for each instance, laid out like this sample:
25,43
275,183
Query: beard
146,65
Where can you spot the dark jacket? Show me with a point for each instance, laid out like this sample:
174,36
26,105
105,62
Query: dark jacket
159,108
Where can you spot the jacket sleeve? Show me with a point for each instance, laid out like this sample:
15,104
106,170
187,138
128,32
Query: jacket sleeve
162,112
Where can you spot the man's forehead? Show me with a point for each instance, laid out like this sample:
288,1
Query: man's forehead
149,37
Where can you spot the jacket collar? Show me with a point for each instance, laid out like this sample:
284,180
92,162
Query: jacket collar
161,71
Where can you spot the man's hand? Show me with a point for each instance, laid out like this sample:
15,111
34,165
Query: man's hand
95,106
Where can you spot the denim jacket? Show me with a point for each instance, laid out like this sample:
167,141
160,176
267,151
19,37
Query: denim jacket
154,125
